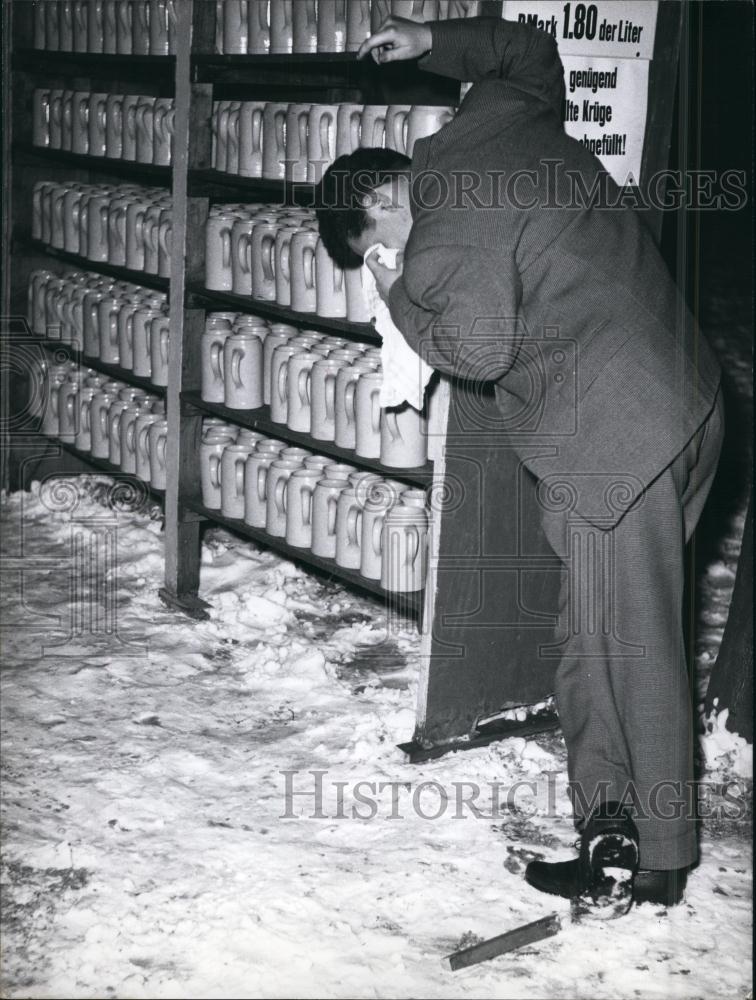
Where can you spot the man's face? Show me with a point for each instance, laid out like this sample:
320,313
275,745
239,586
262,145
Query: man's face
390,218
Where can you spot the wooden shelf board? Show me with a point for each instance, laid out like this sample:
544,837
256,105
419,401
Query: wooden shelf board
24,242
158,175
410,604
259,420
244,303
217,184
47,62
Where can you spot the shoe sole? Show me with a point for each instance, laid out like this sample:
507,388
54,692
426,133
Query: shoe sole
614,862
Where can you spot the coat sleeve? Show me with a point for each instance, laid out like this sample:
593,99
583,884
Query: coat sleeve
481,48
457,307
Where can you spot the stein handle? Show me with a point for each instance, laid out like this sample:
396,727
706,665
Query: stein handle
279,494
236,359
303,387
353,518
308,262
164,332
283,373
262,482
349,402
413,543
375,410
377,539
330,396
285,270
215,471
267,246
161,443
331,519
239,478
225,236
325,137
216,360
165,234
130,442
307,505
141,442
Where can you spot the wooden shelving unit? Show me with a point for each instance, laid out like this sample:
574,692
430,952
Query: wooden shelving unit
195,77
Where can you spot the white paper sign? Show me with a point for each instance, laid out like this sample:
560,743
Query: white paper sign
616,28
605,109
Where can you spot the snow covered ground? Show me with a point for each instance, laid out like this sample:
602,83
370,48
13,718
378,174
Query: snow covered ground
150,846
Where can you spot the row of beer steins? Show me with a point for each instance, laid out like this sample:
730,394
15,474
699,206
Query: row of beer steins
115,27
136,127
125,225
363,521
258,27
103,417
275,254
275,140
115,322
314,383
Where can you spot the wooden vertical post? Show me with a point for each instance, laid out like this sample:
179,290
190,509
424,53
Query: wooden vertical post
182,527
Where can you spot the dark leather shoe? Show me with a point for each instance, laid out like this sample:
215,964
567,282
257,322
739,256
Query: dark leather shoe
665,888
600,879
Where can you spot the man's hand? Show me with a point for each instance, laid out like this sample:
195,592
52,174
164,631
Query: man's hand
397,38
384,276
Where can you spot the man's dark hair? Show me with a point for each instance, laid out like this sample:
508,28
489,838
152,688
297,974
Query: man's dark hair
344,191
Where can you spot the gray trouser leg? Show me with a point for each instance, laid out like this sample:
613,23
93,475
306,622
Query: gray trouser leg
622,684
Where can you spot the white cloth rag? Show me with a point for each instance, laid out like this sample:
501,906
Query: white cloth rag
405,374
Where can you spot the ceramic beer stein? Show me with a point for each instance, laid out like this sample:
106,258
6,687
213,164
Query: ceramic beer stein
279,380
273,339
305,26
212,344
232,474
262,251
256,468
297,124
348,529
250,138
348,124
242,367
211,453
330,289
404,549
144,421
298,412
324,506
258,36
299,493
367,412
274,140
97,124
373,125
332,25
321,140
404,437
281,34
278,476
302,269
358,23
